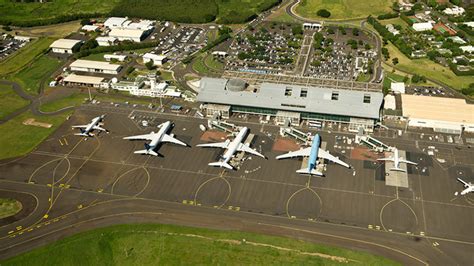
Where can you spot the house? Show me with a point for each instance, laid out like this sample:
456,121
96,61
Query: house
422,26
106,41
418,54
457,39
454,11
467,48
65,46
392,29
158,60
128,34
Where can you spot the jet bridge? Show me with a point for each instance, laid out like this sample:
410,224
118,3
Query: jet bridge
221,125
294,133
371,142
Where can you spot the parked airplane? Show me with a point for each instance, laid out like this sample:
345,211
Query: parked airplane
156,138
231,147
396,161
95,124
314,152
469,187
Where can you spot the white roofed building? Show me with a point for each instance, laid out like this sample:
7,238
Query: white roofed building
454,11
128,34
65,46
95,67
106,41
117,57
467,49
115,22
89,28
397,87
422,26
158,60
141,25
83,81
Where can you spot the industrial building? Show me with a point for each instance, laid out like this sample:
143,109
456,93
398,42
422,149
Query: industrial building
134,35
442,114
158,60
115,22
65,46
95,67
118,57
83,81
106,41
291,103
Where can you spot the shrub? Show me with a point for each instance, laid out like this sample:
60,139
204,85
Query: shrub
323,13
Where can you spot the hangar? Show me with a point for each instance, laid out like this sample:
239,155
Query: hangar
135,35
83,81
95,67
65,46
447,115
291,102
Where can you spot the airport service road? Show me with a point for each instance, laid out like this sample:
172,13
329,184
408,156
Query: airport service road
70,184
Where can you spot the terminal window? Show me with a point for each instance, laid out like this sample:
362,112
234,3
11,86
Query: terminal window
366,98
335,96
304,93
288,91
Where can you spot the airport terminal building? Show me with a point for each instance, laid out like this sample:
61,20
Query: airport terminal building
292,103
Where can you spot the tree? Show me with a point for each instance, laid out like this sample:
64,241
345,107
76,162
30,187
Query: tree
355,32
90,44
150,65
330,31
323,13
367,46
395,61
86,21
297,30
342,30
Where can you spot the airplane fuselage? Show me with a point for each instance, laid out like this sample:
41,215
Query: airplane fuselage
159,135
313,156
234,145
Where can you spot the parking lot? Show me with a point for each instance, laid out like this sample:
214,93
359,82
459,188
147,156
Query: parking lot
10,44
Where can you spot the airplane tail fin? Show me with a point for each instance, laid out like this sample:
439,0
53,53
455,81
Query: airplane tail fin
222,164
82,134
150,152
306,171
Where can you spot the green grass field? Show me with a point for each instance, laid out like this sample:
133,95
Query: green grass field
9,101
155,244
429,69
343,9
16,11
9,207
18,139
72,100
30,77
24,56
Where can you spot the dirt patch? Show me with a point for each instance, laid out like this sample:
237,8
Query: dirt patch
285,144
213,136
32,122
364,154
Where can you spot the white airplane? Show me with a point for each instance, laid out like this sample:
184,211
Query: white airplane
314,152
231,147
469,187
156,138
396,161
95,124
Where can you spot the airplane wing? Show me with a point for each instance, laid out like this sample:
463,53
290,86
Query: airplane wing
222,145
168,138
326,155
298,153
80,126
386,159
463,182
407,162
99,128
146,137
246,148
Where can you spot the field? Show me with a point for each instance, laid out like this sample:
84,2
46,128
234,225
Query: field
429,69
24,56
343,9
394,21
54,31
31,77
72,100
20,12
233,12
9,101
18,139
9,207
154,244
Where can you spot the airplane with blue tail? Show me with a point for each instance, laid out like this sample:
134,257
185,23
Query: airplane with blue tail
314,152
95,124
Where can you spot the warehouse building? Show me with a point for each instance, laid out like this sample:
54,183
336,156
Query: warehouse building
65,46
106,41
116,22
83,81
95,67
134,35
291,103
446,115
158,60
